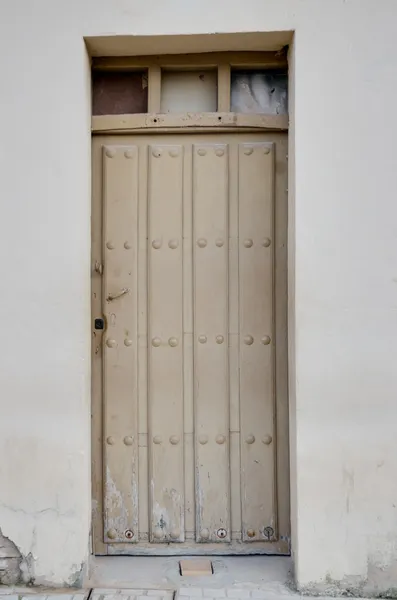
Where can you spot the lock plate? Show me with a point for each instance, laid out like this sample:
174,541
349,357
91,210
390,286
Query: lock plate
99,324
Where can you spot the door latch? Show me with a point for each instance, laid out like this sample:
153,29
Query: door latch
118,295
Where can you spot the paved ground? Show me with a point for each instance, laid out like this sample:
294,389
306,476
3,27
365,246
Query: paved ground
105,594
193,593
159,578
184,593
32,595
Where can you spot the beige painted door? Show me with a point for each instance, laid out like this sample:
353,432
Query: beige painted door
189,372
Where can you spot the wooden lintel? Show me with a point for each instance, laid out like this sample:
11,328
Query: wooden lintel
265,60
188,121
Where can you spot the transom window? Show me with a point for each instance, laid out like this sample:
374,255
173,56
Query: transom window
245,82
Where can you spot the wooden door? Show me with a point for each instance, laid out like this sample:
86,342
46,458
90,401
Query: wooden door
189,371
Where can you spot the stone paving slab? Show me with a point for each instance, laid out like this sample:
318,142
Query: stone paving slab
182,593
96,594
131,594
32,595
193,593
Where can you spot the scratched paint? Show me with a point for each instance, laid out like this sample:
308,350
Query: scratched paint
193,390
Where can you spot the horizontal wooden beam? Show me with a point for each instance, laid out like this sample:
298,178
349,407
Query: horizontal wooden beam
188,121
264,60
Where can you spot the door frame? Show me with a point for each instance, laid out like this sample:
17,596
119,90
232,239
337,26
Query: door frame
154,122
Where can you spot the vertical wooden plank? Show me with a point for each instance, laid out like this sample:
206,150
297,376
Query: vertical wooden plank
143,345
224,88
234,380
120,169
165,347
256,191
154,89
280,250
96,348
211,394
190,522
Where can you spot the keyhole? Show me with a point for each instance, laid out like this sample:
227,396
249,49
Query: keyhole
268,532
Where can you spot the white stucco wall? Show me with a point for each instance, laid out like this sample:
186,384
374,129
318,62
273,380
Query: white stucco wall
344,383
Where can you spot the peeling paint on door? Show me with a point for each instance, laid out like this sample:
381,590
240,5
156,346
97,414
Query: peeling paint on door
190,242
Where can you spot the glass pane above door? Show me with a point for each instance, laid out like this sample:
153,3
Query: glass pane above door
263,92
119,93
189,91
